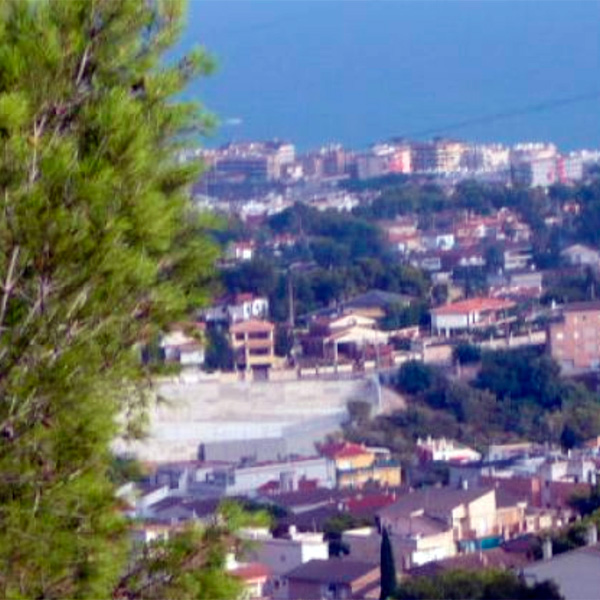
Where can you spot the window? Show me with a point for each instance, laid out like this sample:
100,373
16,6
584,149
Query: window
259,335
259,352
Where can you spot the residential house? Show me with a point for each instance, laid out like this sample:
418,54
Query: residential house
308,510
429,261
179,347
357,465
241,251
426,539
526,283
472,515
462,258
255,578
175,509
281,554
253,347
438,240
576,469
574,572
444,450
473,313
580,254
347,337
252,477
517,256
241,307
333,579
216,479
574,341
374,303
501,558
402,234
247,306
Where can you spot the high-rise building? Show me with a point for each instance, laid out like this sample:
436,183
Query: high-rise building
575,341
534,165
440,155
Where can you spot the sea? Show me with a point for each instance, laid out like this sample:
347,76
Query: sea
356,72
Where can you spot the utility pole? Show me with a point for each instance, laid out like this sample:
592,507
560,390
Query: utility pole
291,318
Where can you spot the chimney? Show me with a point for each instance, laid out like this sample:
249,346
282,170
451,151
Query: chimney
591,535
547,548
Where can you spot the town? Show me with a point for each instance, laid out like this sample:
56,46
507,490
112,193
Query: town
404,340
327,328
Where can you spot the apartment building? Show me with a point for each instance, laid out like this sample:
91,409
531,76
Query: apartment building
253,346
472,313
574,341
440,156
534,165
357,465
471,515
254,161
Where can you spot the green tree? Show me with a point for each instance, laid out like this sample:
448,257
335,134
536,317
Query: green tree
414,377
388,567
475,585
465,353
99,249
219,354
284,340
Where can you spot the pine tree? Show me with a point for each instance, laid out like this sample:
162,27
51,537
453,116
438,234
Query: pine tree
388,567
99,248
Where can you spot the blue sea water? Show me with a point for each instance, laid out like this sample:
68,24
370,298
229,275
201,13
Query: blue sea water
315,71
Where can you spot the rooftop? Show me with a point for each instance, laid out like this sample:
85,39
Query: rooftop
496,558
336,450
251,572
435,499
252,326
376,298
582,306
334,570
474,305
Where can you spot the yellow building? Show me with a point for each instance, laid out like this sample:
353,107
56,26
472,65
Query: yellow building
357,465
253,346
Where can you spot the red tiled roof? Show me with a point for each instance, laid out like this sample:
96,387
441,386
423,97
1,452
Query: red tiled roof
367,504
270,486
244,297
473,305
336,450
251,326
251,572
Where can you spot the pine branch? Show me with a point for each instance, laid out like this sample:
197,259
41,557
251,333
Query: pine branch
8,285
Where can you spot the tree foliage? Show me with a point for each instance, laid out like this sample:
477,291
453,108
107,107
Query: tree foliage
471,585
99,248
518,394
388,567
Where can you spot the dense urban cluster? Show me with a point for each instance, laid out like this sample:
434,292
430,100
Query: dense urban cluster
405,342
249,372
